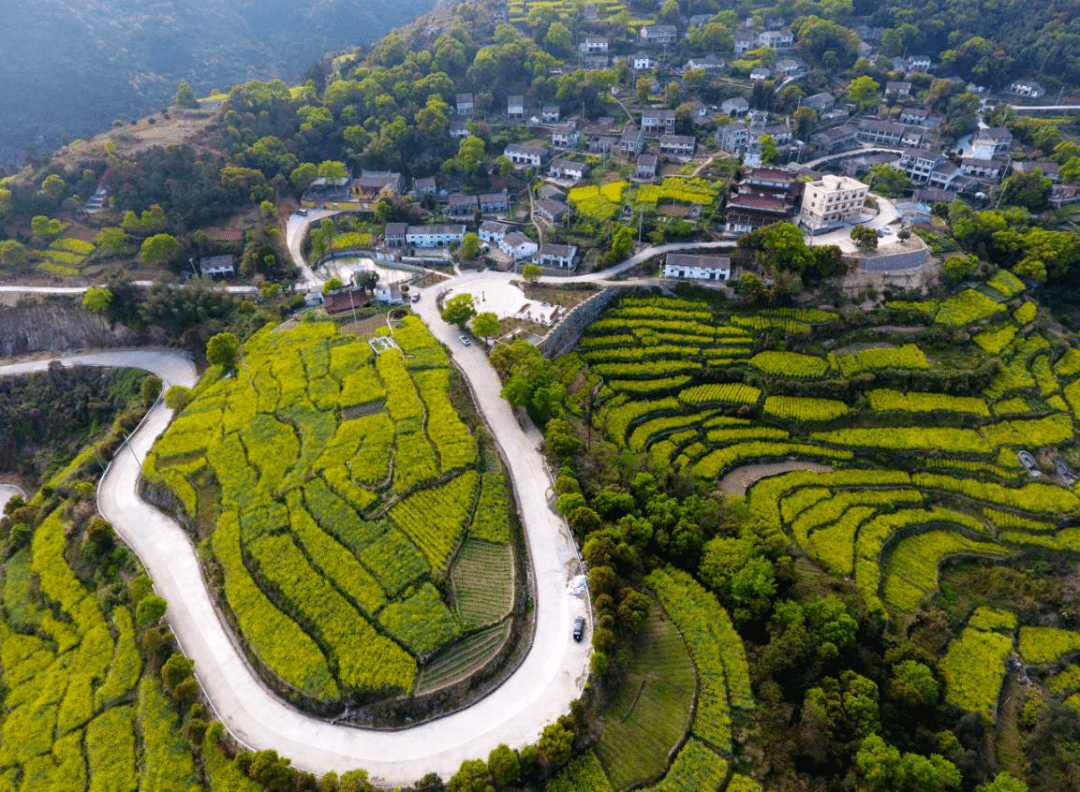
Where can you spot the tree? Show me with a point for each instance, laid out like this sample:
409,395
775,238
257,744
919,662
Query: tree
770,154
222,349
333,284
1030,190
149,610
486,324
889,181
753,588
504,765
559,39
13,255
368,279
531,273
112,240
556,744
53,186
177,397
159,248
332,169
863,91
175,670
150,388
880,765
913,683
303,175
470,246
864,237
458,310
185,97
97,299
1003,782
473,776
470,155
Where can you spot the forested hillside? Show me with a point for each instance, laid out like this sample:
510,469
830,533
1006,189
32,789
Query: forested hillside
71,68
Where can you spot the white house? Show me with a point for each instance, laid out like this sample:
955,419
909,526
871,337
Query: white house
517,246
529,156
556,256
697,267
709,64
567,169
434,236
493,231
642,63
919,63
464,104
217,267
735,107
515,107
779,40
832,199
593,45
565,136
389,293
1027,88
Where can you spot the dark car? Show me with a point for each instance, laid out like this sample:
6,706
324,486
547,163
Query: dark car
579,628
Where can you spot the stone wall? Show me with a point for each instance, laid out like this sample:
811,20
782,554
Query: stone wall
566,333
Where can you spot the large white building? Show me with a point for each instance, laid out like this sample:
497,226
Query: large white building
832,199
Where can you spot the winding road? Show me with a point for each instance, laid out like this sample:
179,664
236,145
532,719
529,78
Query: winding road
538,692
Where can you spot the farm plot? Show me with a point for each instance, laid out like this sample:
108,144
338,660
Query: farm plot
924,457
483,578
346,482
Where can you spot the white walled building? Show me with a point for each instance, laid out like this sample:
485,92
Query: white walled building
434,236
697,267
832,199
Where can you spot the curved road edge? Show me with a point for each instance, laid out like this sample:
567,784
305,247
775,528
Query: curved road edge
551,676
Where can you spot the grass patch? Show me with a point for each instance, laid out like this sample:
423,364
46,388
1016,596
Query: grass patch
650,712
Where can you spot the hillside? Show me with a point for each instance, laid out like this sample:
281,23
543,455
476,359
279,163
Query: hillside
72,68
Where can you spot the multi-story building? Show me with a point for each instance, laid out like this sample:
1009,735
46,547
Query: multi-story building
517,246
556,256
656,121
658,34
528,156
681,146
832,200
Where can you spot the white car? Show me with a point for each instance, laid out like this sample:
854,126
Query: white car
464,339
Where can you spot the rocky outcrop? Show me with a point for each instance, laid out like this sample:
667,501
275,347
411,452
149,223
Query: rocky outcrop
58,327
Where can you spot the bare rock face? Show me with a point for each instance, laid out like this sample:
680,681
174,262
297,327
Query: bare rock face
58,327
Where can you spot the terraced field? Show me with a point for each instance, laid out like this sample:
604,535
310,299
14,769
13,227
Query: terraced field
80,710
923,437
339,485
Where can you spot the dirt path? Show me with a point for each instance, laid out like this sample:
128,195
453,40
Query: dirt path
738,481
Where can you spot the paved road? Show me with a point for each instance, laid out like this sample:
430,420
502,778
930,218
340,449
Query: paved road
7,492
540,690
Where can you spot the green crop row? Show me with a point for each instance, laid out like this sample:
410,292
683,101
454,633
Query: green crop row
689,312
621,325
1069,364
1052,430
435,518
725,393
912,571
758,322
646,370
638,353
966,307
642,387
883,400
272,636
696,767
421,622
394,561
947,440
166,760
973,668
808,315
803,410
364,659
1047,644
907,357
1026,313
987,618
742,434
453,442
1006,283
617,418
994,341
333,560
491,520
827,511
644,433
721,459
582,774
790,364
766,494
1035,497
1067,681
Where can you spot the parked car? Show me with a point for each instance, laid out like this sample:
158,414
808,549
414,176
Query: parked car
416,297
464,339
302,212
579,628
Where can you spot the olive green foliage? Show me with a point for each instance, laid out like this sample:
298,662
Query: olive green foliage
333,592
